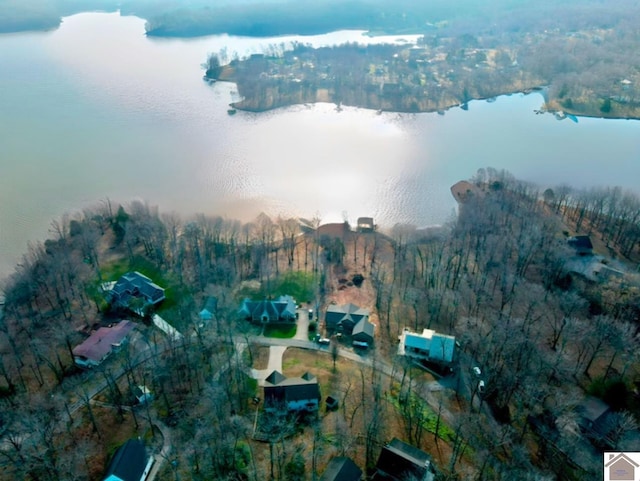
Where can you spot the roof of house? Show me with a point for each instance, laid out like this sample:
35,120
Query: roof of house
275,377
134,284
591,408
341,469
442,347
99,344
365,223
400,460
333,230
580,242
614,458
129,462
283,307
347,313
419,341
277,387
364,327
210,307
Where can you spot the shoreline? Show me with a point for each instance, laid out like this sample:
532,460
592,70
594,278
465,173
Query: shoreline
547,107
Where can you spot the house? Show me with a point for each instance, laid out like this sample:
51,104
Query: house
291,394
365,224
595,419
582,245
209,310
341,469
344,318
134,285
621,467
129,463
399,461
363,331
282,310
101,343
429,346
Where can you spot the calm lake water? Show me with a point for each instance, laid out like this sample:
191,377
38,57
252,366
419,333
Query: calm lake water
96,110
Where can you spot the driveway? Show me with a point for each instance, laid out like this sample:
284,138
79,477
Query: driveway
302,330
274,364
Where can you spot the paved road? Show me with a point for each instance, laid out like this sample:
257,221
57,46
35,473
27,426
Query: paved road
365,359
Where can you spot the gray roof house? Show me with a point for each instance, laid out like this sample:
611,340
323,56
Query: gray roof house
400,461
363,331
341,469
282,310
428,346
582,244
291,394
134,285
129,463
209,310
344,318
101,343
595,419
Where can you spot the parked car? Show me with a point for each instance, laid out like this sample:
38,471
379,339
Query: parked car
310,314
476,370
324,340
481,387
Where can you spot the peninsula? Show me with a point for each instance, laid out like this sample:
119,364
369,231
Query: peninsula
440,72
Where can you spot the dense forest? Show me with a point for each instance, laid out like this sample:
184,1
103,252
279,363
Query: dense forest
549,328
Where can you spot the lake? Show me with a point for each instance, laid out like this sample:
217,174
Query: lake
96,110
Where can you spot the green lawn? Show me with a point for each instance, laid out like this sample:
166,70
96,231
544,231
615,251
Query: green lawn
280,331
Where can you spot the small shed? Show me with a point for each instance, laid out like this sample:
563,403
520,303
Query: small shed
331,403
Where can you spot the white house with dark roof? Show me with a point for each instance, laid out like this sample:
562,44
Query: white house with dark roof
293,394
428,346
101,343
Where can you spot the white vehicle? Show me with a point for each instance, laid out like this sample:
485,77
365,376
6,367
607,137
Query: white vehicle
476,370
481,387
324,340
